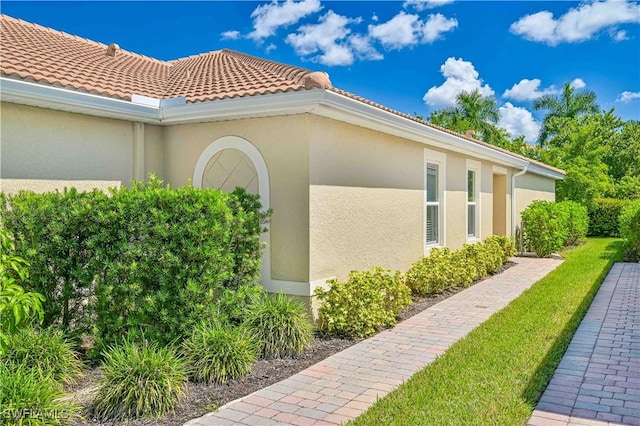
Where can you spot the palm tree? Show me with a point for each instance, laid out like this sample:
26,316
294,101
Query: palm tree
471,112
570,103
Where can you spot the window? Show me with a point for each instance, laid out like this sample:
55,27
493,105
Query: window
434,214
471,204
473,199
432,205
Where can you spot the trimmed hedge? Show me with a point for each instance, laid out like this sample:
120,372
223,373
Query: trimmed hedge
630,230
444,269
549,226
604,214
142,261
364,303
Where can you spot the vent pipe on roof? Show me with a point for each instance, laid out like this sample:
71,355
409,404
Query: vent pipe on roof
470,134
112,49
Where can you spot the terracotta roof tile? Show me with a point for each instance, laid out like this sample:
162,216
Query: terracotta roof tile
34,53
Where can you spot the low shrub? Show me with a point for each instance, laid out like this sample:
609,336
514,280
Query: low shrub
140,380
630,230
232,304
219,353
492,255
280,325
475,260
545,227
29,397
577,222
365,302
432,273
604,214
46,351
507,245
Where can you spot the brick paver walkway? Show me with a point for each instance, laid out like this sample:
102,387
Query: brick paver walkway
598,379
343,386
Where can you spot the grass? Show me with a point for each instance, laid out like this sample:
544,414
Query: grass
498,372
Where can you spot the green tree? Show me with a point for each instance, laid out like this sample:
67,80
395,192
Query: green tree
472,112
570,103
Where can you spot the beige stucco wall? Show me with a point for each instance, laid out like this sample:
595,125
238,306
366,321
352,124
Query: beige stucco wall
283,144
530,187
39,143
153,150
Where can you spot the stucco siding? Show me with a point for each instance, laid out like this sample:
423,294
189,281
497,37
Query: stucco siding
38,143
366,195
153,151
530,187
282,142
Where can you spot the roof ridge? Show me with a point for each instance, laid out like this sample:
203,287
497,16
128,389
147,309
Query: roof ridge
76,37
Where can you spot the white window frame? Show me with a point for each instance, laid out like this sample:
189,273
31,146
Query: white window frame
476,167
439,159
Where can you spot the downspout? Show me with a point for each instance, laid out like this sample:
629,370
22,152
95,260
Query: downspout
513,199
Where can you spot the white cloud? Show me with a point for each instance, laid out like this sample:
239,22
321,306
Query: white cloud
460,75
627,96
578,24
435,26
270,47
518,121
421,5
619,35
400,31
268,17
328,37
528,90
578,83
364,50
230,35
408,30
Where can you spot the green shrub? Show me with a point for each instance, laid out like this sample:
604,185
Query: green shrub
280,326
46,351
359,306
52,232
27,397
545,227
140,380
492,255
475,260
232,304
433,273
604,214
630,229
577,222
17,307
144,261
506,243
219,353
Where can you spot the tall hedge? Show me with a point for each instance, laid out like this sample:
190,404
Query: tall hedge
604,214
146,260
630,230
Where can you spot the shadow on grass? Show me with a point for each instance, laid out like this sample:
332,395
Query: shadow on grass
543,374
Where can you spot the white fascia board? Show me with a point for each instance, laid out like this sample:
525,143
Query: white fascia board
342,108
245,107
39,95
543,171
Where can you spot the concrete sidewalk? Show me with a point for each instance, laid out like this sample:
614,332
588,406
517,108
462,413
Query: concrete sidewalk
344,385
598,379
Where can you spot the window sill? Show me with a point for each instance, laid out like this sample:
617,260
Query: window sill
473,240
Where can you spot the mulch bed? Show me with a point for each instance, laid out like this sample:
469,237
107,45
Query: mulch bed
200,399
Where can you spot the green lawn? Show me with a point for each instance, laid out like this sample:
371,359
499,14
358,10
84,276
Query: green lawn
498,372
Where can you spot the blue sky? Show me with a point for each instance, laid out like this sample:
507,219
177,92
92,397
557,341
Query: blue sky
414,56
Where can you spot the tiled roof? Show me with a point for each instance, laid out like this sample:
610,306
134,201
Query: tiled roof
34,53
31,52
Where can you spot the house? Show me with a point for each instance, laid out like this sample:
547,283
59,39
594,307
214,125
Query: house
352,184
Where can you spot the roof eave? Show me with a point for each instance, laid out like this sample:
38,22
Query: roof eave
43,96
320,102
